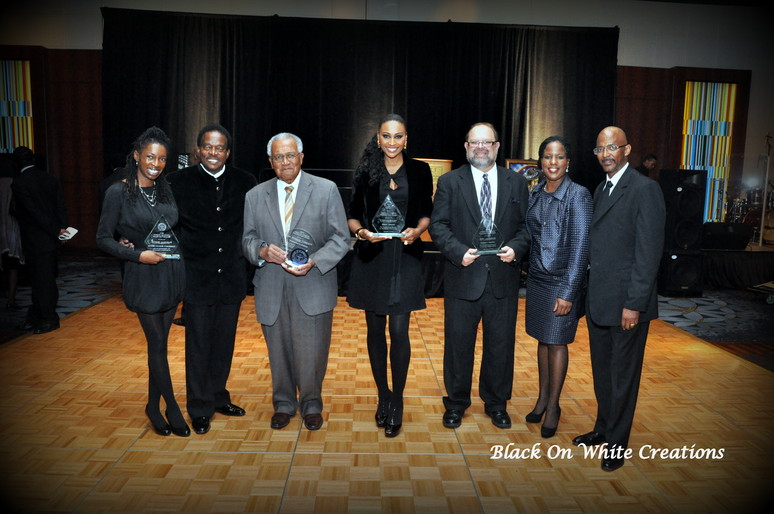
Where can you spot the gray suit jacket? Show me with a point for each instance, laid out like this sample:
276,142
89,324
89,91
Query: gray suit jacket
318,210
625,244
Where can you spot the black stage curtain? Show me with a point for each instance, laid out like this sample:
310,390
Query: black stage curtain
329,82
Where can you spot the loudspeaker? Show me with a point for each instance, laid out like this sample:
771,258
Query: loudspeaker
681,274
726,236
684,192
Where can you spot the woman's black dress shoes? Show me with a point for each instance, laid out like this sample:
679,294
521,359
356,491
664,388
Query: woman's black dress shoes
381,413
159,427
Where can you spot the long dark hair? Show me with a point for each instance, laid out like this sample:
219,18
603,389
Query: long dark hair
150,136
372,161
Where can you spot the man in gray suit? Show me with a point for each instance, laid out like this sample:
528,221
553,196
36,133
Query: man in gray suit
625,243
288,220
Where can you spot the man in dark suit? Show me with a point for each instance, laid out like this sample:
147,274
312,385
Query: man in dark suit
40,210
625,243
480,287
294,302
210,199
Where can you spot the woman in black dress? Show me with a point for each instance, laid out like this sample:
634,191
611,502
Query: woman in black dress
386,274
153,282
558,219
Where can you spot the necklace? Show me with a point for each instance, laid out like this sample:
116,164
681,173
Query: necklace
150,198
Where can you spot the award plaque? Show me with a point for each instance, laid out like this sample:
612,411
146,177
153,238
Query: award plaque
298,244
388,221
162,240
487,239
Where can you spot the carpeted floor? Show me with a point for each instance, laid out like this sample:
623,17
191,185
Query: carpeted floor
741,322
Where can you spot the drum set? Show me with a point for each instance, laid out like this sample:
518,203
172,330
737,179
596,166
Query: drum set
749,207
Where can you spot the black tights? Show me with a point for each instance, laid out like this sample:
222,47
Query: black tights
400,353
156,327
552,369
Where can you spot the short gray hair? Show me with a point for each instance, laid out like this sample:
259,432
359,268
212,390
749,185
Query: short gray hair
285,135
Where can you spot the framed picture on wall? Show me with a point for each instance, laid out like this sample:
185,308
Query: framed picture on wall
526,168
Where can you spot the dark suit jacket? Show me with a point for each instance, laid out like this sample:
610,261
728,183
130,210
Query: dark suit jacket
40,209
564,236
210,232
365,202
456,217
626,240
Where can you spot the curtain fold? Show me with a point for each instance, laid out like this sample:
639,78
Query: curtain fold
330,81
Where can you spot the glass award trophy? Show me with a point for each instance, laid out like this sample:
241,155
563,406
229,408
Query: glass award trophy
388,221
162,240
487,240
298,243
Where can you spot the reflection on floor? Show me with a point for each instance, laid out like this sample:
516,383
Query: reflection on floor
75,437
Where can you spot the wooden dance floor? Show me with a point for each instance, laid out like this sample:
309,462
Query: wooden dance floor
75,437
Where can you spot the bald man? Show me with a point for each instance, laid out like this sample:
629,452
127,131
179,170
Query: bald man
625,244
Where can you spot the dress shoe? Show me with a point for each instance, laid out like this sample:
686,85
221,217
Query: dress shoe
313,421
183,431
612,464
394,421
45,327
381,412
452,418
500,418
534,417
25,327
158,427
230,410
280,420
201,425
590,439
547,432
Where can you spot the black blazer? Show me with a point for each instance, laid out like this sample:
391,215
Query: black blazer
625,244
40,209
365,202
210,232
456,217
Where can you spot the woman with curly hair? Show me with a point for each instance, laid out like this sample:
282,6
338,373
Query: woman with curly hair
386,274
153,282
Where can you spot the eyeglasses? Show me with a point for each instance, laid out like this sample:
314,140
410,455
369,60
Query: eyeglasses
485,144
214,149
289,156
610,148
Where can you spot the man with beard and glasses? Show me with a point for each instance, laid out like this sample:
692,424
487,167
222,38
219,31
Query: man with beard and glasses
477,199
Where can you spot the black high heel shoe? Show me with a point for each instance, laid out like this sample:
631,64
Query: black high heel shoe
381,412
534,417
161,429
547,432
394,421
183,431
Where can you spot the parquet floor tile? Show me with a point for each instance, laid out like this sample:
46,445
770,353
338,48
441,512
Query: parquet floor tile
75,437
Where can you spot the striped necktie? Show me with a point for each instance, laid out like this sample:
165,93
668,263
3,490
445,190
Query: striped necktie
486,199
288,207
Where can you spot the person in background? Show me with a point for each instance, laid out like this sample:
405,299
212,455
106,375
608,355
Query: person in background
40,209
558,218
10,237
294,299
648,165
386,275
152,284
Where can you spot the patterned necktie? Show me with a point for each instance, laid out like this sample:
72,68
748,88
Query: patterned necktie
486,199
288,206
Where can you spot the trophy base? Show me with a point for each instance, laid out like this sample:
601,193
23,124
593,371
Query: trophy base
487,252
388,234
172,256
